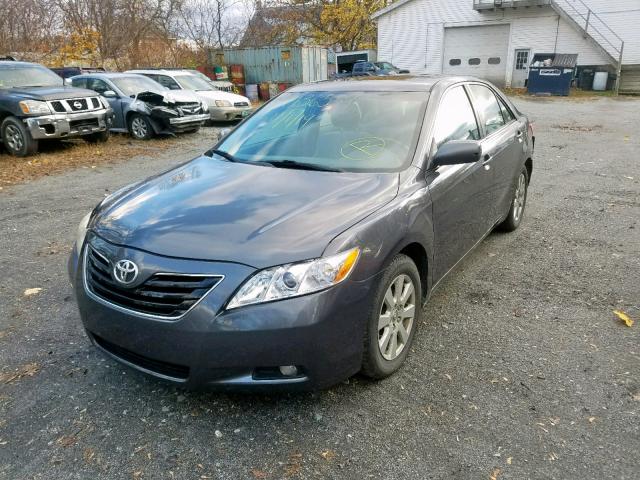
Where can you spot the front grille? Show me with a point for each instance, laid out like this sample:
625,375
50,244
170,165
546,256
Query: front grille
157,366
241,104
95,102
58,107
167,295
189,108
78,104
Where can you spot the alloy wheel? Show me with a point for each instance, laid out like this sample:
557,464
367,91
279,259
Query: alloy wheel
519,197
397,315
139,127
13,138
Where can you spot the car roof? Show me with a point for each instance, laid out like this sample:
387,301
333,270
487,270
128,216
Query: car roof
13,63
386,83
108,75
162,71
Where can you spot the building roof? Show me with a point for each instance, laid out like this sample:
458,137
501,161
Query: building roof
388,8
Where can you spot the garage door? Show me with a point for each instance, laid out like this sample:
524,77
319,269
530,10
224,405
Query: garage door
477,51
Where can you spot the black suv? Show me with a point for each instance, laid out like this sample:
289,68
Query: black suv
35,105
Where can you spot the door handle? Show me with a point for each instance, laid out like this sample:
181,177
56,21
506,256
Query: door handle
519,135
486,161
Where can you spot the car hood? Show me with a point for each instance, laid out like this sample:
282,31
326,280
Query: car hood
209,209
51,93
212,95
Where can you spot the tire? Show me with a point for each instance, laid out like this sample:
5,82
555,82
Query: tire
380,359
16,138
518,203
139,127
98,137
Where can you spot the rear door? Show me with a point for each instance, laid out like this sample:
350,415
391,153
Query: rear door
461,194
502,145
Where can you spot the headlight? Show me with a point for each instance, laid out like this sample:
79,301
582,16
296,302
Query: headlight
104,101
34,107
295,279
205,107
223,103
82,231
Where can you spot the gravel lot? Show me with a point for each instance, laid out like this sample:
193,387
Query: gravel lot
519,370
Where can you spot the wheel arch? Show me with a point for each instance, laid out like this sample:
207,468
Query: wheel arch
529,166
418,254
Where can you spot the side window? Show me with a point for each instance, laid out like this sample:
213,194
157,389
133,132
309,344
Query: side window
168,82
97,85
357,67
455,119
506,112
79,82
488,108
454,62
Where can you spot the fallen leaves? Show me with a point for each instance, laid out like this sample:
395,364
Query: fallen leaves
66,441
328,454
259,474
28,370
495,474
32,291
628,321
293,467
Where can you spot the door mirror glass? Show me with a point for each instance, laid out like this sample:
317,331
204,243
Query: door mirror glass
109,94
457,152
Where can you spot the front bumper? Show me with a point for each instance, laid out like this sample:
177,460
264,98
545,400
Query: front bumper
63,125
210,347
189,119
222,114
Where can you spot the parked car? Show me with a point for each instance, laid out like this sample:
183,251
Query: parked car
35,106
145,108
300,249
391,69
223,106
68,72
361,68
223,85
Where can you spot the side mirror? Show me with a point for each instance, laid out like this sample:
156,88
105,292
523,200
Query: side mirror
109,94
67,82
457,152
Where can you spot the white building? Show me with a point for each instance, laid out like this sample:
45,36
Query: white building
496,39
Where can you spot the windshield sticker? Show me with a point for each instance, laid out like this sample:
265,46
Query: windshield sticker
363,148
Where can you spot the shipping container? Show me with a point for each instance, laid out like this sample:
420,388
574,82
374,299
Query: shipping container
277,64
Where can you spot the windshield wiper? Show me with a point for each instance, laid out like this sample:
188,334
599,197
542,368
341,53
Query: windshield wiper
301,165
226,155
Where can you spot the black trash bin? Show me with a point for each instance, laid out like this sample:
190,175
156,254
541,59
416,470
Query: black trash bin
552,73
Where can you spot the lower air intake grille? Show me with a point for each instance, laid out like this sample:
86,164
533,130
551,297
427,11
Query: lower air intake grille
168,295
157,366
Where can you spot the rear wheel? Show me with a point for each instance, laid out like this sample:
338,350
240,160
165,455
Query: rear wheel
518,203
16,138
393,319
139,127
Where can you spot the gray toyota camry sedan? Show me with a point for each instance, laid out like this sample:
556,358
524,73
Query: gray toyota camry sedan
301,248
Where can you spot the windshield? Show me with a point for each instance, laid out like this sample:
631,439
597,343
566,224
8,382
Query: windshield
385,66
191,82
348,131
133,85
28,76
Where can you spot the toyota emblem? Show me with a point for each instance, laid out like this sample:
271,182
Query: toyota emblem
77,104
125,271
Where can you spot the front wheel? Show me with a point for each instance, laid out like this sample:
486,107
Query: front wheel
16,138
140,127
519,201
393,319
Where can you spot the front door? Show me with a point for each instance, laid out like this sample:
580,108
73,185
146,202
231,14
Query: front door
520,69
462,195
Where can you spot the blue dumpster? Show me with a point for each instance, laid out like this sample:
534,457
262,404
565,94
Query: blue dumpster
552,73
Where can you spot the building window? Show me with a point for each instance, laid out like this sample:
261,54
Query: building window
494,61
474,61
454,62
522,59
